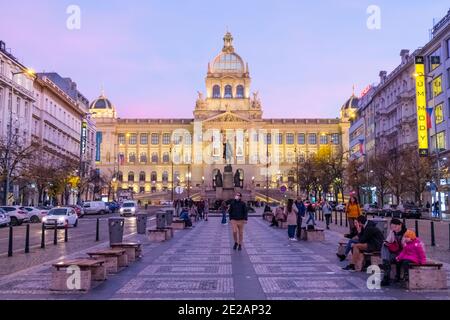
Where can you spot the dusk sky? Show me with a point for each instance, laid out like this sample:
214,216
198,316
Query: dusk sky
151,56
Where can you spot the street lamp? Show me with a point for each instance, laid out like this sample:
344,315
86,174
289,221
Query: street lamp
30,73
188,176
297,168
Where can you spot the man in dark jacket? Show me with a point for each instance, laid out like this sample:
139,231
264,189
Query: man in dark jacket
238,218
370,240
301,210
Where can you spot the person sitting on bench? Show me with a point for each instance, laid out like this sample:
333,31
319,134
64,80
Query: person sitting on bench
370,240
412,253
391,248
278,217
185,217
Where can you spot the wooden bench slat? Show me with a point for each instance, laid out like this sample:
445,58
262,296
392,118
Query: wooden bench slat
107,252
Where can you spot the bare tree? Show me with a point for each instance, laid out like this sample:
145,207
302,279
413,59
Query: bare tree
379,175
418,173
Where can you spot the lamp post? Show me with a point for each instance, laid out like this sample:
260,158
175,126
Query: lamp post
267,168
296,172
173,180
30,73
188,176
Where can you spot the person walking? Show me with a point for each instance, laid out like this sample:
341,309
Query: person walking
353,211
238,218
223,209
206,209
311,211
301,210
326,209
291,213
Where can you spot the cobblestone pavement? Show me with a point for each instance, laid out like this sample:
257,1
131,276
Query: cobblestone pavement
199,264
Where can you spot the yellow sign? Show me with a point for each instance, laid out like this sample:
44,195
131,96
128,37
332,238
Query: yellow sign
421,101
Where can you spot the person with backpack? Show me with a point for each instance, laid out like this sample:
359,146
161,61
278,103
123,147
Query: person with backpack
291,219
327,211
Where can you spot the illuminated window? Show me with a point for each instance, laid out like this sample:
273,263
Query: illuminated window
120,176
154,157
143,157
166,157
216,92
279,138
142,176
154,176
335,138
187,139
166,139
240,92
155,138
131,176
323,139
301,138
437,86
133,139
441,140
439,114
312,138
165,177
132,157
434,59
228,92
228,63
121,138
144,138
269,138
289,138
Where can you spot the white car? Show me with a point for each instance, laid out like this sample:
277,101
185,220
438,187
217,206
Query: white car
128,208
4,219
95,207
340,207
63,216
17,215
34,215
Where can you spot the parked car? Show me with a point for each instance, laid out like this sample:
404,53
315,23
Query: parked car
95,207
17,215
128,208
64,216
113,206
78,210
5,220
371,209
34,215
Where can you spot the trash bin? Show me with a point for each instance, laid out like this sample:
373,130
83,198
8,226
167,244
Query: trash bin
382,224
161,220
169,216
141,223
116,230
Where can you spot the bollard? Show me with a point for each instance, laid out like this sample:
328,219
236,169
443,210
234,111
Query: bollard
55,235
97,231
27,239
66,231
335,218
433,240
346,221
10,242
43,236
417,228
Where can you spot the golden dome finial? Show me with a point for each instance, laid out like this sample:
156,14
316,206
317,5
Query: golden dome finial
228,42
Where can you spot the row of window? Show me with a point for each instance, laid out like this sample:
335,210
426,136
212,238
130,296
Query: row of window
290,138
155,157
153,176
228,92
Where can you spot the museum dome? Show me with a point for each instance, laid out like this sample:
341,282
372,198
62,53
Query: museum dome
101,103
228,61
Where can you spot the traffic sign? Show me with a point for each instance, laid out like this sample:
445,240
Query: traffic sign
283,189
179,190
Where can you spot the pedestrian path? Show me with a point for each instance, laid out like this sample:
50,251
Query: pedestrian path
199,264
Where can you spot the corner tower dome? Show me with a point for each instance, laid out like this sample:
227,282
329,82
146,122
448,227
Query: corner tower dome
102,107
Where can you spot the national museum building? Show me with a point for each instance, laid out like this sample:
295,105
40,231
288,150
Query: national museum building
227,136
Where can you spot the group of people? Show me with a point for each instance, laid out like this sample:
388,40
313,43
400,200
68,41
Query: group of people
189,209
401,247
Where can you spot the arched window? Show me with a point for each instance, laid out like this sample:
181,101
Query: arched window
166,157
228,92
131,176
154,157
120,176
216,92
143,158
142,176
165,177
132,157
154,176
176,177
240,92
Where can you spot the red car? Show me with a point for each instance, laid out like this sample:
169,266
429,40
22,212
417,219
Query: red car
78,210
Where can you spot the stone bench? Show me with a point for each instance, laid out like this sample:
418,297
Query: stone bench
316,234
157,235
133,249
114,258
373,258
178,224
90,270
429,276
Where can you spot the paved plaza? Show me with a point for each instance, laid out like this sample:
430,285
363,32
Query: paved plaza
199,264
